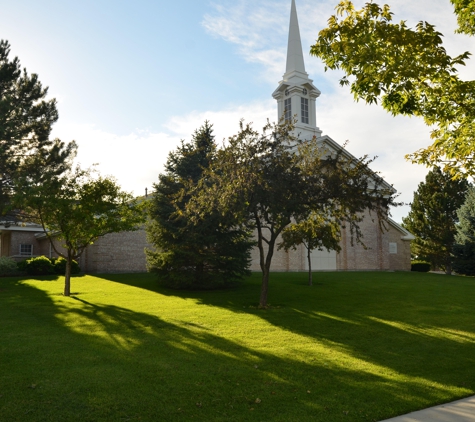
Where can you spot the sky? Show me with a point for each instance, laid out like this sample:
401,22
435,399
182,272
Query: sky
132,79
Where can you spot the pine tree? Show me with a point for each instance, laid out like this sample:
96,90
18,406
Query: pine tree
464,248
433,217
26,118
207,253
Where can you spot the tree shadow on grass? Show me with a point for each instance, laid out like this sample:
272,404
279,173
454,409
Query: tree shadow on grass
72,359
415,331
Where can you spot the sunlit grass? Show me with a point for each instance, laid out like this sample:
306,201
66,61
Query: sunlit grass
355,346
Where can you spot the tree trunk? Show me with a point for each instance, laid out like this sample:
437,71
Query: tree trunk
448,264
266,272
67,276
310,283
264,289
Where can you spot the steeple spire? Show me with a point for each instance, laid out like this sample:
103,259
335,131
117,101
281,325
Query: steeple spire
296,93
294,47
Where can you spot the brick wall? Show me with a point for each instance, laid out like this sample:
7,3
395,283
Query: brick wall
116,253
375,255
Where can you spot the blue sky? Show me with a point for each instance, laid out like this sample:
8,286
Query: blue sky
133,78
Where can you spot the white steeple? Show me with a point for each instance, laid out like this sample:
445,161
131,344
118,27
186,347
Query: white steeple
296,93
294,47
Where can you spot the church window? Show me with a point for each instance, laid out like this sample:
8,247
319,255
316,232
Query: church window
304,109
288,109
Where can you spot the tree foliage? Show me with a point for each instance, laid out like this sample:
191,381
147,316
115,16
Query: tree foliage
76,208
465,11
433,217
267,180
464,248
319,231
408,72
26,118
209,252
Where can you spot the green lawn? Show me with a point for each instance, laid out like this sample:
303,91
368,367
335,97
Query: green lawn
354,347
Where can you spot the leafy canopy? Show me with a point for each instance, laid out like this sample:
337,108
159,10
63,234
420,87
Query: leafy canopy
408,72
76,208
267,180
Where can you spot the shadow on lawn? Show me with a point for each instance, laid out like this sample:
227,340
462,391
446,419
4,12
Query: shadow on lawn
70,359
417,325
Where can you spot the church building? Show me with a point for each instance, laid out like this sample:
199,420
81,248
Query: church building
296,96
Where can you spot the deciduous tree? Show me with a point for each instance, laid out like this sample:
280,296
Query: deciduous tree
77,208
319,231
408,72
267,180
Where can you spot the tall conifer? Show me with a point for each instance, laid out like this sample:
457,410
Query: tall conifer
433,217
464,248
206,253
26,118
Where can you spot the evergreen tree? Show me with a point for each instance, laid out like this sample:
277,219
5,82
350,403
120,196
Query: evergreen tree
433,217
464,248
207,253
26,118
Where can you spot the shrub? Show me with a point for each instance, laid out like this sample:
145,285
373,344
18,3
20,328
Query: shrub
40,265
420,266
60,266
22,265
8,266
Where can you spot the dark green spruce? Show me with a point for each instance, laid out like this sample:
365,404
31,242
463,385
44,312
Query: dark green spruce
207,253
26,118
464,248
433,217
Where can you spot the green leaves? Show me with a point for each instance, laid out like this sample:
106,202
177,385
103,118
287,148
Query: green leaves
408,72
465,11
268,180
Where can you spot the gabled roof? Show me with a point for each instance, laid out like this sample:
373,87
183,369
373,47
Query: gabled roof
327,143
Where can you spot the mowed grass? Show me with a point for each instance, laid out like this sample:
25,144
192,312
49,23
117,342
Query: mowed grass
353,347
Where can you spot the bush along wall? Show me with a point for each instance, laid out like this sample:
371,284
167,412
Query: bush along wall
8,266
420,266
60,266
42,265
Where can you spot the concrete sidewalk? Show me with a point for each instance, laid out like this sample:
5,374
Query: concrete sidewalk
457,411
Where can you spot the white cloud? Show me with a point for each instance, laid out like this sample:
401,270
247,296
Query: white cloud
225,122
135,160
256,29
